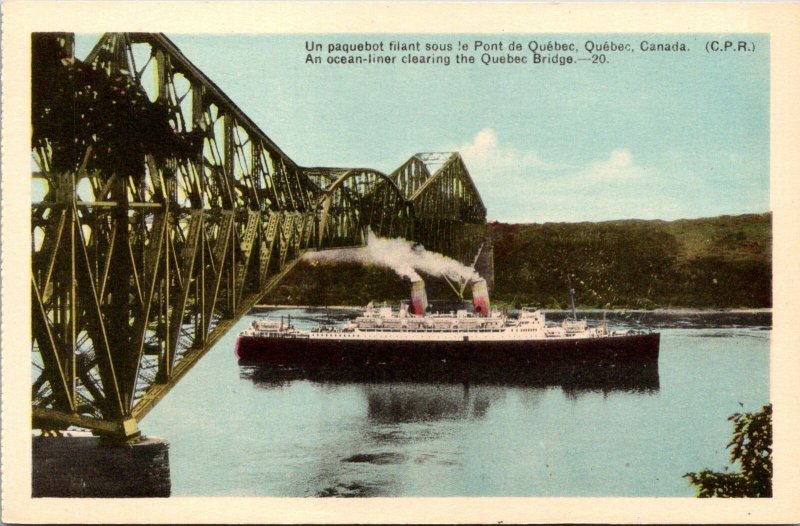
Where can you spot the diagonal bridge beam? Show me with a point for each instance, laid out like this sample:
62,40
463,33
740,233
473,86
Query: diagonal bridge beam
163,213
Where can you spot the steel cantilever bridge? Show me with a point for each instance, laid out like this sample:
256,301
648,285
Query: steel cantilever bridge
165,213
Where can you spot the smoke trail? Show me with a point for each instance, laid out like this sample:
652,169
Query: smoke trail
404,257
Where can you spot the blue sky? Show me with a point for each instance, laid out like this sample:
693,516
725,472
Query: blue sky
647,135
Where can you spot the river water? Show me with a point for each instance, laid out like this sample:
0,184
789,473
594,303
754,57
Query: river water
254,431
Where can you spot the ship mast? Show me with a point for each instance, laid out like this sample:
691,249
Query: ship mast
572,302
460,291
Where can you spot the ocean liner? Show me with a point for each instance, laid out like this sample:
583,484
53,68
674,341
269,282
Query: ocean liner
475,336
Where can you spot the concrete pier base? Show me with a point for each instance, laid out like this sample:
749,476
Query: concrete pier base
66,466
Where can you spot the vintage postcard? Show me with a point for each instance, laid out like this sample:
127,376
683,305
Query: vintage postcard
399,262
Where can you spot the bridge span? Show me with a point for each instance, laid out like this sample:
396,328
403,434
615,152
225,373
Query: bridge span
162,213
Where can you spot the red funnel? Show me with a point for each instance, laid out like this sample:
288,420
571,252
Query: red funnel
419,299
480,297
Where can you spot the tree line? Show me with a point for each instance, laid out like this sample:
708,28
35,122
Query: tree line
720,262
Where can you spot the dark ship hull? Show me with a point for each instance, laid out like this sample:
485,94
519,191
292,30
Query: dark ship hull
608,350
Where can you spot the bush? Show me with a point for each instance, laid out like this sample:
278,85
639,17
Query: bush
751,447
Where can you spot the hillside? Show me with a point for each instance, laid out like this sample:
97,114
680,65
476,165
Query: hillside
719,262
722,262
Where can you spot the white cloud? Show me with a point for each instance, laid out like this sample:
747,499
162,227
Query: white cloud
484,156
519,186
619,166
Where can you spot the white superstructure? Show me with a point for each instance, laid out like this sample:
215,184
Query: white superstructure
385,323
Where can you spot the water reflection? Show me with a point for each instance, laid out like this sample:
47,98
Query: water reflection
398,403
410,424
431,392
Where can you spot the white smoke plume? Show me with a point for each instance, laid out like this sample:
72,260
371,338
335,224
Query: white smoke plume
404,257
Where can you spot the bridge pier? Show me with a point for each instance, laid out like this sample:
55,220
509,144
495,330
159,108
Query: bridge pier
90,466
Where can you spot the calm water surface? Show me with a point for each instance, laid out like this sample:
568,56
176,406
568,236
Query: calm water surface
245,431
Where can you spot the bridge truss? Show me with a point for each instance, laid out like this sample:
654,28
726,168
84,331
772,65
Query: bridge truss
164,214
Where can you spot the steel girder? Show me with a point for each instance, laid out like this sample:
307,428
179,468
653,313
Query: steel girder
450,216
134,277
357,199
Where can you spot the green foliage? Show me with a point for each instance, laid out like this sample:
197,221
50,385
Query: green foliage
607,264
751,448
721,262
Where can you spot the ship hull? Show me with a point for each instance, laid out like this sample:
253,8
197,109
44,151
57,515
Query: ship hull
636,348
